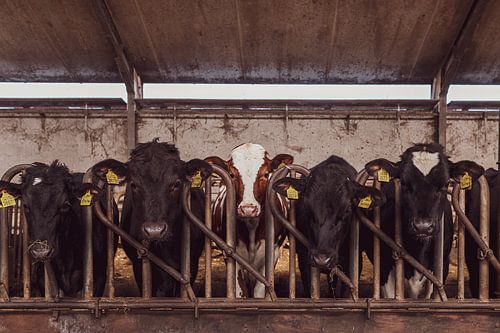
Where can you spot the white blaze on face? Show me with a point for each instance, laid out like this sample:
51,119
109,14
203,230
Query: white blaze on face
248,158
37,181
425,161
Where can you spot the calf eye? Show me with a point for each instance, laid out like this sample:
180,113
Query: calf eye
177,184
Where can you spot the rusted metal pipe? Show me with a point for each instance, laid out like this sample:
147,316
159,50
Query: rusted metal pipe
88,253
461,251
186,247
399,292
143,251
110,250
26,258
147,292
484,232
354,257
403,253
292,249
269,246
225,247
439,252
486,251
208,245
376,248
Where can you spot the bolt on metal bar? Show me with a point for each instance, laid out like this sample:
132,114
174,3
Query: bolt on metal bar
226,247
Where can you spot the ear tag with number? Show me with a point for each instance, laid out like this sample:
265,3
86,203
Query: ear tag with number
86,199
282,164
466,181
366,202
7,200
292,193
196,181
383,176
112,178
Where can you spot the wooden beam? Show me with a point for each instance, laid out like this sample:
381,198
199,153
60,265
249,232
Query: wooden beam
441,95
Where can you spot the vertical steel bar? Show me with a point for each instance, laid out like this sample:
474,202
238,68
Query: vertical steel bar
292,249
376,249
47,285
208,244
146,279
26,257
110,273
230,231
88,255
269,247
398,238
185,249
354,256
439,254
484,231
497,291
461,252
4,249
315,286
16,241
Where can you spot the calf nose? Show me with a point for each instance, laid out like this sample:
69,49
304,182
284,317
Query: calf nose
248,210
321,260
155,230
423,227
40,251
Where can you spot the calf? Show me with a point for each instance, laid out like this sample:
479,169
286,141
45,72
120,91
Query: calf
471,249
51,200
424,171
328,198
152,209
251,168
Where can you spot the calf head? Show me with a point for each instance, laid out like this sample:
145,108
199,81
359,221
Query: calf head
424,171
49,196
328,201
250,168
155,175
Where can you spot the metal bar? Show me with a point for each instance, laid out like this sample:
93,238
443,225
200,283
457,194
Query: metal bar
497,291
376,249
486,251
399,292
4,250
208,245
146,278
225,247
315,288
143,251
88,255
484,232
292,249
439,253
26,257
110,272
51,285
186,248
354,256
461,251
403,253
270,238
16,241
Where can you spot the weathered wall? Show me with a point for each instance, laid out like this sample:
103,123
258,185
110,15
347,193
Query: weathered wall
80,143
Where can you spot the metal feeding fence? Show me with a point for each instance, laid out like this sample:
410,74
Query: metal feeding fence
15,265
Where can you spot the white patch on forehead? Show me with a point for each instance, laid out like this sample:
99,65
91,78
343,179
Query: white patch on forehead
37,181
248,158
425,161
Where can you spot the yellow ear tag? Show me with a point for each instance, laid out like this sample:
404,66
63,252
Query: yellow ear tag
366,202
86,199
112,178
466,181
7,200
281,165
196,181
292,193
383,176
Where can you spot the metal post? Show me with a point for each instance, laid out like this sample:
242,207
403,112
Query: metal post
26,258
292,250
497,292
461,252
484,231
439,254
4,250
354,256
376,249
269,246
208,245
110,273
398,238
88,256
146,279
186,250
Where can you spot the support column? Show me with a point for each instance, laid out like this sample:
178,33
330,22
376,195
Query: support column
440,93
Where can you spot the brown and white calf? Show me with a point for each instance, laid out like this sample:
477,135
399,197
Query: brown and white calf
251,168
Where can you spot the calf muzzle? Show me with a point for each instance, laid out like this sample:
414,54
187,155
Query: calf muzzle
155,231
40,250
321,260
424,228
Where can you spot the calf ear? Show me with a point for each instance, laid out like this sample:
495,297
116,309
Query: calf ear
196,165
362,192
381,163
217,161
279,160
102,168
11,188
458,169
283,185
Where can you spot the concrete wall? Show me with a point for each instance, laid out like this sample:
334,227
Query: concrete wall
80,143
